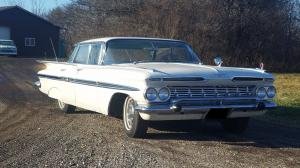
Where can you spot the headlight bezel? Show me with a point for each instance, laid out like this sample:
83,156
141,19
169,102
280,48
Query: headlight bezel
261,92
168,94
271,96
154,93
158,94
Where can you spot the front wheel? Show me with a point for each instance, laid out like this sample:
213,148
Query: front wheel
65,107
135,126
235,125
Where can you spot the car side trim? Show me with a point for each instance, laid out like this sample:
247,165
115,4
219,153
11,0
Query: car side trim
89,83
187,79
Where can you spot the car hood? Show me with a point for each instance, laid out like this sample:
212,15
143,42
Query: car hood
196,70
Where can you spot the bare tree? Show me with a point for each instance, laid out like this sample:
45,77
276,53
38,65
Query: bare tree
14,2
38,7
243,32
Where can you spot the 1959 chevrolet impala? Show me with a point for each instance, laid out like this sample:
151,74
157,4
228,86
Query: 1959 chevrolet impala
151,79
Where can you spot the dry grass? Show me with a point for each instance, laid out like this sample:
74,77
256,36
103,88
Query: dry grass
288,100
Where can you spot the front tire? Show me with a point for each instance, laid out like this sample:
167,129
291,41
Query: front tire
135,126
65,107
235,125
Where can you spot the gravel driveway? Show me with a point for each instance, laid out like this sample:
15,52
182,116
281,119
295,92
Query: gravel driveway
34,133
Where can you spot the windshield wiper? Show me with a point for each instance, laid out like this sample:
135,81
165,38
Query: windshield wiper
138,62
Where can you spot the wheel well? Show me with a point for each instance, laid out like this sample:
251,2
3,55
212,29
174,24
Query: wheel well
115,108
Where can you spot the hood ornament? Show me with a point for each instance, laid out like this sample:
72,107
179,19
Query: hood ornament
261,65
218,61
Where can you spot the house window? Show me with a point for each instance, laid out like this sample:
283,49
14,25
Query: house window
29,42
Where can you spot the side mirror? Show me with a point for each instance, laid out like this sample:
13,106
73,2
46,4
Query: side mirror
218,61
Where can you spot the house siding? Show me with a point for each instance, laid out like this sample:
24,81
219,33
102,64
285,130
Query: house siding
23,25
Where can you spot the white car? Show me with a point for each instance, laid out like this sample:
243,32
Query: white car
151,79
7,47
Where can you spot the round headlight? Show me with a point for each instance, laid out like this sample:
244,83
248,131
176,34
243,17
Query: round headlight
271,92
164,94
261,92
151,94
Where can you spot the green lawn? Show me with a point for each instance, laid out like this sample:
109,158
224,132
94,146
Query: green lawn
288,100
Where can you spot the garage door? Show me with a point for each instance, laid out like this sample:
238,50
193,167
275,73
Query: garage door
4,33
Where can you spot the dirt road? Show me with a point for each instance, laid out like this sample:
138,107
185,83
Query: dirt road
34,133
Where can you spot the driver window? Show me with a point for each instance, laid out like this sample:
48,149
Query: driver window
82,54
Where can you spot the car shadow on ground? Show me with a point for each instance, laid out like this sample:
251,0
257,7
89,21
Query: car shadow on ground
259,134
81,111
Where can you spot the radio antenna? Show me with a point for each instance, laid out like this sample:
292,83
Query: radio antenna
53,49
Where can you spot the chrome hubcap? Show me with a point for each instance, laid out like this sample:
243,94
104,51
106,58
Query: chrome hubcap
61,104
129,114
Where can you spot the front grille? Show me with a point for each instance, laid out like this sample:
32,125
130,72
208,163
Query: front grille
211,91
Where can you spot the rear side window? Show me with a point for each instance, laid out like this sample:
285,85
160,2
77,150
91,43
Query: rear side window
94,54
82,54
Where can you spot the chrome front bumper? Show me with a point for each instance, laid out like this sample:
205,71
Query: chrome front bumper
182,109
37,84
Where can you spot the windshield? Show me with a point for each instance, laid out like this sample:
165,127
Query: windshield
136,51
10,43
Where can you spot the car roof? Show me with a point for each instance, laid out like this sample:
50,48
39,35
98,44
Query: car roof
106,39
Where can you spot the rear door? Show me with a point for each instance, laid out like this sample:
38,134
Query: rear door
68,72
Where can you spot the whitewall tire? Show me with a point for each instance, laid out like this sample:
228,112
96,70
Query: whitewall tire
134,125
65,107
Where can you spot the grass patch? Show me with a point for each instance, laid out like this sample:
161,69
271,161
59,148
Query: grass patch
287,99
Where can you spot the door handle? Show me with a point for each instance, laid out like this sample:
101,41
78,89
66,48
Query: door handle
79,69
62,69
